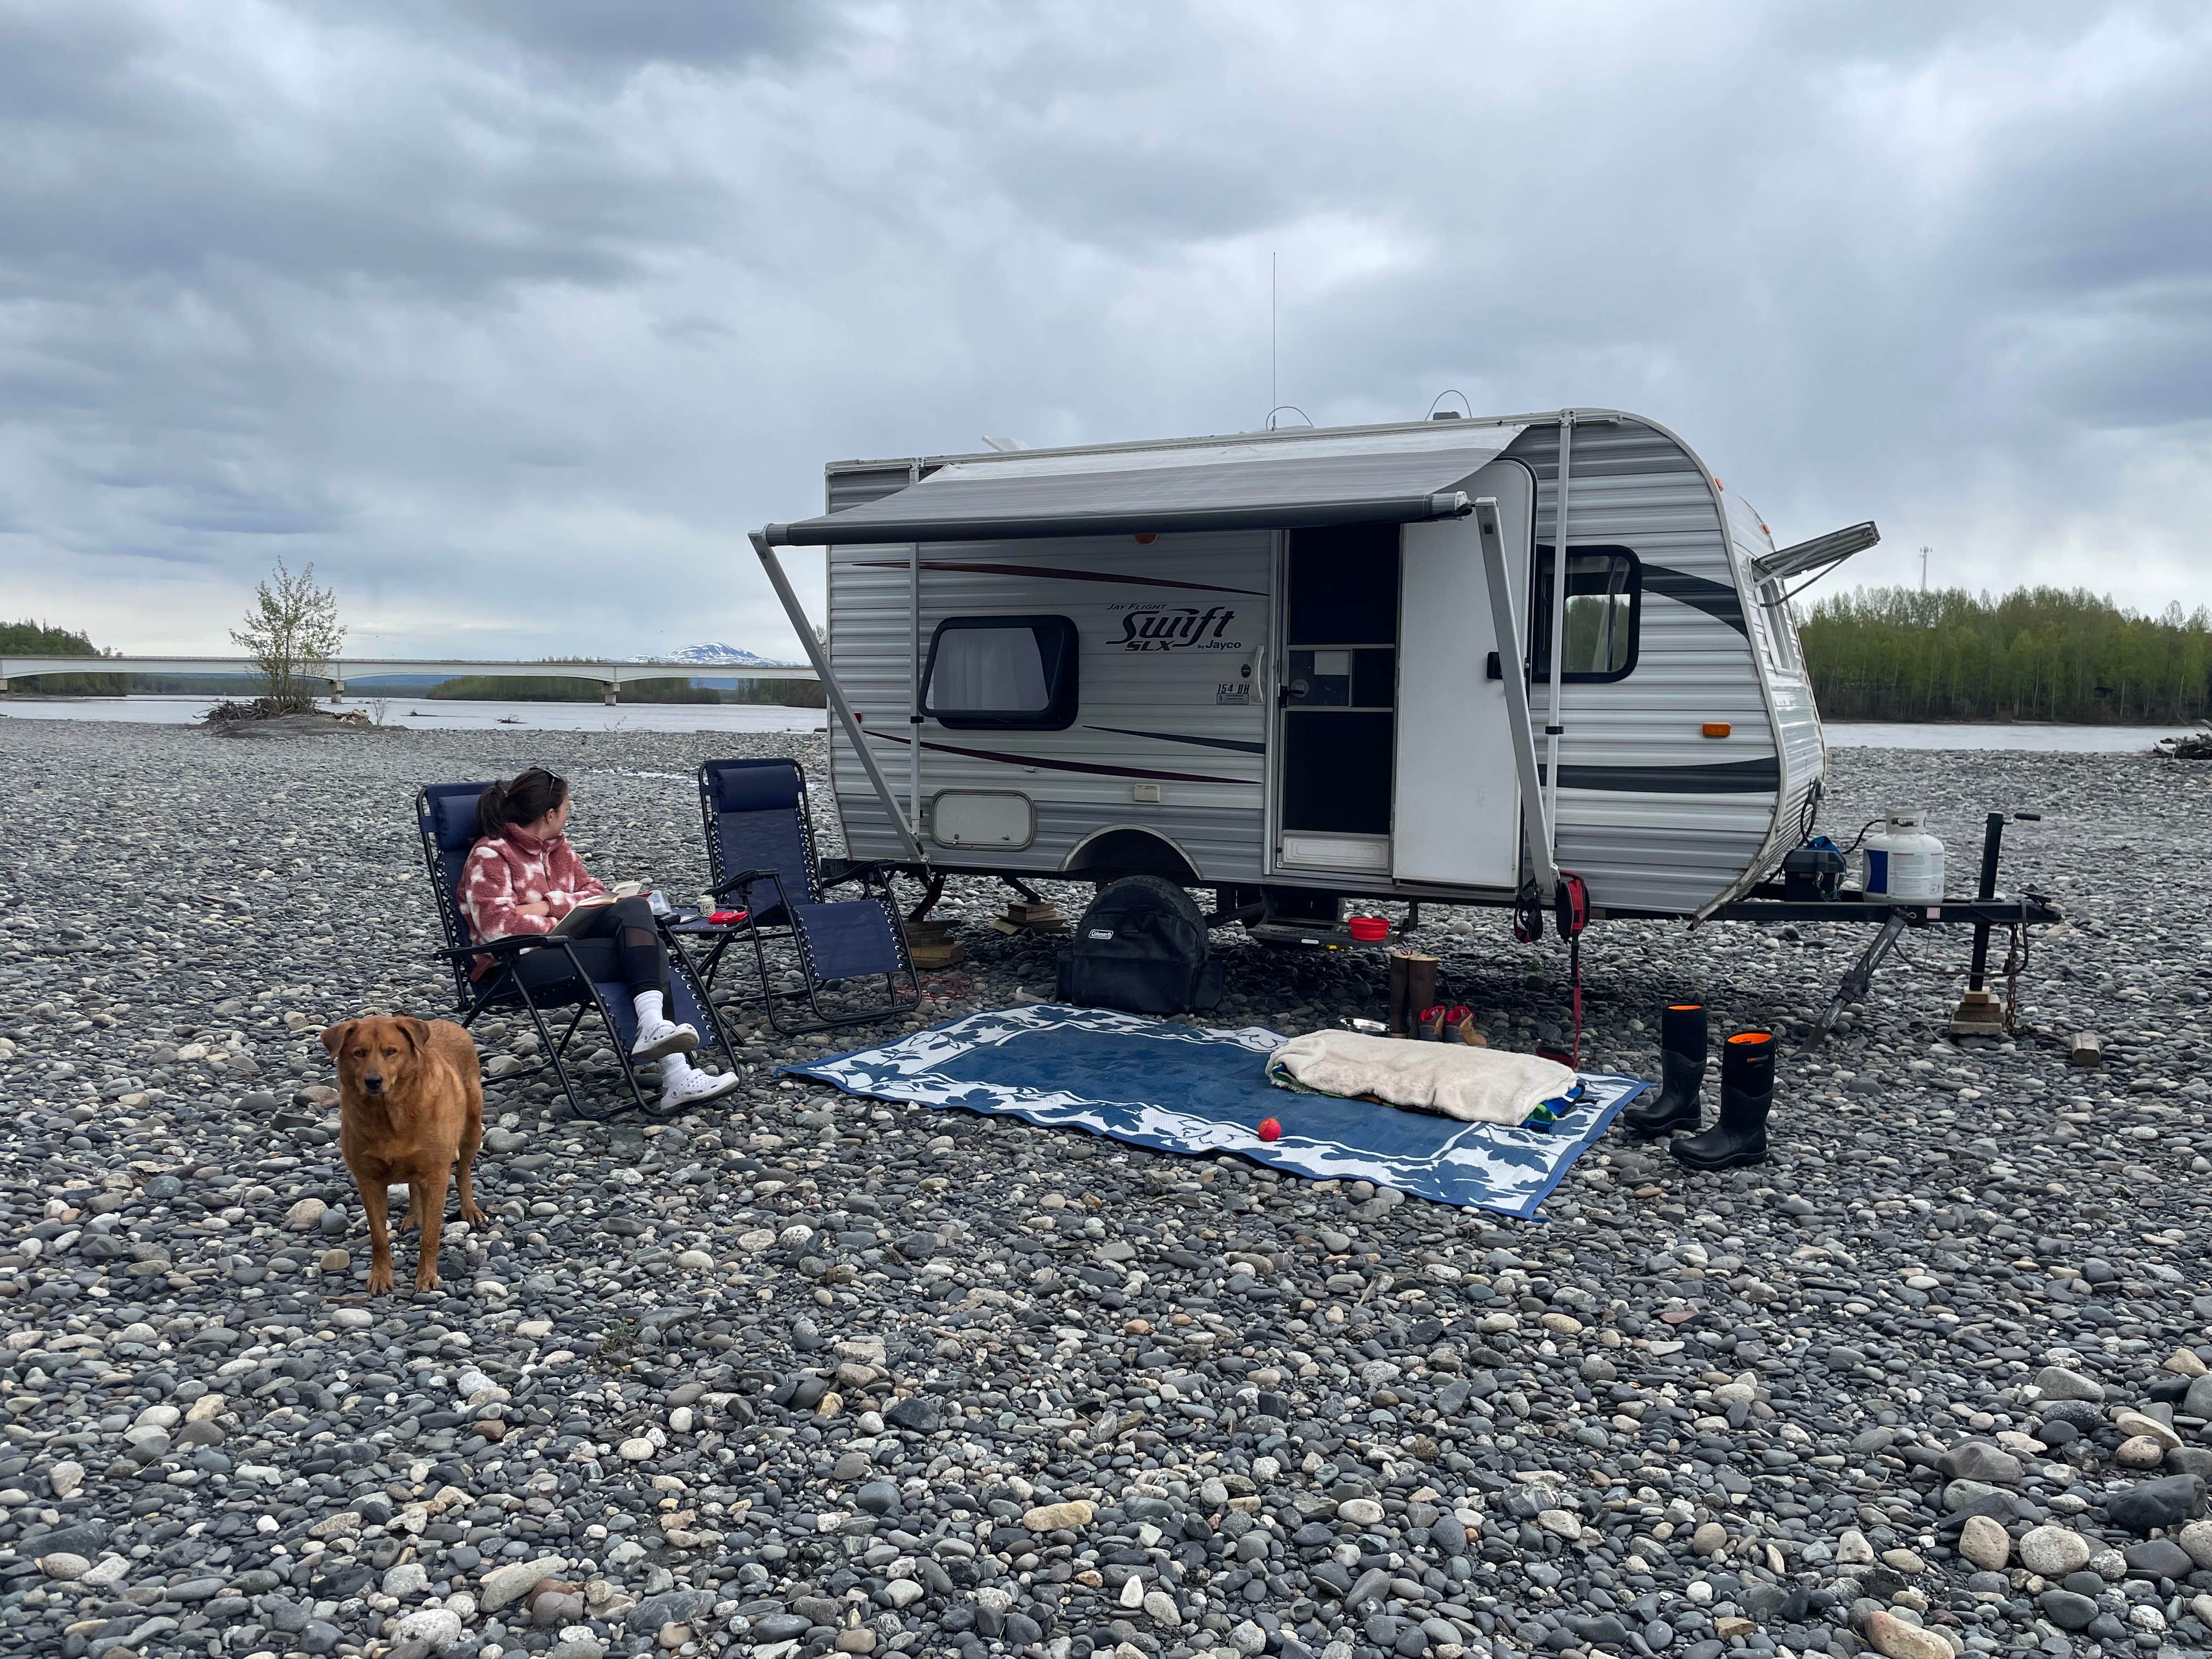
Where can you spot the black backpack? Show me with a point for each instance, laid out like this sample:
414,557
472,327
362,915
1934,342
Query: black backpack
1141,947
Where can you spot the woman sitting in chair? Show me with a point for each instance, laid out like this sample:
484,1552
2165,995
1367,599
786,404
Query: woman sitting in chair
522,877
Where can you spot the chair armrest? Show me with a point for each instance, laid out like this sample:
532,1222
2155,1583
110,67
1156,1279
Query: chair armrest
513,945
744,878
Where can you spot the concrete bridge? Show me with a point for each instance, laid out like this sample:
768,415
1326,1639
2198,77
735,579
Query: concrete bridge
609,676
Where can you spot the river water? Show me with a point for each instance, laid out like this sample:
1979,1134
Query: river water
441,715
2040,738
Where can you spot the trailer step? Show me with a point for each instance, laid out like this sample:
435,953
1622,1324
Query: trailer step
1327,936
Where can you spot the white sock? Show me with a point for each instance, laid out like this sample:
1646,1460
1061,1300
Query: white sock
673,1068
648,1004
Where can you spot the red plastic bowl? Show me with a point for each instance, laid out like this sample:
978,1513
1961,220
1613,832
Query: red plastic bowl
1370,928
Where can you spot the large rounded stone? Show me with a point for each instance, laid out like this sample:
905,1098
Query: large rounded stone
1895,1639
1985,1543
2054,1551
1056,1517
1980,1460
2057,1382
2065,1609
2196,1539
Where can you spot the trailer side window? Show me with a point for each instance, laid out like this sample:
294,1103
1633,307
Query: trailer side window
1605,613
1008,673
1781,630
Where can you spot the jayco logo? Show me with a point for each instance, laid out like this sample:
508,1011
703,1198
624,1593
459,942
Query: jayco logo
1178,627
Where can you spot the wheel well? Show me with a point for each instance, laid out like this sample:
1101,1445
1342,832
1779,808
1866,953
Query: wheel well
1112,854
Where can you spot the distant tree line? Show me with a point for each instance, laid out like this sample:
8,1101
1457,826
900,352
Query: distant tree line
2043,654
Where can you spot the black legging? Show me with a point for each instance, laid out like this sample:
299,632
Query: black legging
616,941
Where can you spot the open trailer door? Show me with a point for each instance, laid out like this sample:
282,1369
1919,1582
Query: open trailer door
1457,811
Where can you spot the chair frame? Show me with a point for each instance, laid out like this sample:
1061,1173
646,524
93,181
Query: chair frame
502,988
872,876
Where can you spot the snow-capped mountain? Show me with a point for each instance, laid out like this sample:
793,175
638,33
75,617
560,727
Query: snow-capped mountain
718,656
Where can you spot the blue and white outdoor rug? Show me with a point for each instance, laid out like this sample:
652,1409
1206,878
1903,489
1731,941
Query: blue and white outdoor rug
1182,1089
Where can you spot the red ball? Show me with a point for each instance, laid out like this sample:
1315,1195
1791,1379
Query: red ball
1270,1130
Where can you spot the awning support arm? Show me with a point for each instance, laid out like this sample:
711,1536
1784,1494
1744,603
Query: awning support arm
1513,669
914,716
1553,725
834,696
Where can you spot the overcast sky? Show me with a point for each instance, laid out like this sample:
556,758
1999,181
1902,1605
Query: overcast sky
513,316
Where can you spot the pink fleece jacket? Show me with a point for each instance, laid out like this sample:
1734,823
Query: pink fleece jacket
505,871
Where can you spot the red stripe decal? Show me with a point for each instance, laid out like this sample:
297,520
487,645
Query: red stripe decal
1061,766
1057,574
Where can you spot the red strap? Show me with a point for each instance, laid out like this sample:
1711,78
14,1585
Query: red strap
1575,970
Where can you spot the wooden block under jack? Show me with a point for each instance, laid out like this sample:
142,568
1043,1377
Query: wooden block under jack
931,945
1024,916
1978,1014
2085,1048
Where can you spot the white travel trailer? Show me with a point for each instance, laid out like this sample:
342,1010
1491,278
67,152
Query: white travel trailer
1305,666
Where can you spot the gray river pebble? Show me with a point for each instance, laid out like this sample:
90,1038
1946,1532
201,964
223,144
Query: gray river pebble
802,1374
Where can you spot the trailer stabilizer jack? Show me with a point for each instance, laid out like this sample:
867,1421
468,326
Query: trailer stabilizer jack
1858,979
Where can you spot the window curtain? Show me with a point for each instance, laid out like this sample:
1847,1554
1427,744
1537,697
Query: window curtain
988,671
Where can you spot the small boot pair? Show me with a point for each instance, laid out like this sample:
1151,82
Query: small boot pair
1738,1136
1452,1024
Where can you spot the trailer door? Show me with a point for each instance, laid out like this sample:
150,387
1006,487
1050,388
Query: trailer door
1457,817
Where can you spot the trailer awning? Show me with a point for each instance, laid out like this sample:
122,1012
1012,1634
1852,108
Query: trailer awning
1270,482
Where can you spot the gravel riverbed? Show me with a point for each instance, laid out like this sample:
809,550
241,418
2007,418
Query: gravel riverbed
800,1374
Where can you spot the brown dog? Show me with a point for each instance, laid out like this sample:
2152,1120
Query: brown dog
411,1099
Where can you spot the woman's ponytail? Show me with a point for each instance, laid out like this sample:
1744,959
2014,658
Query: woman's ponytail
526,799
491,811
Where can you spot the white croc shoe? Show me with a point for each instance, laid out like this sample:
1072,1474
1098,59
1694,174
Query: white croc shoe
663,1037
691,1086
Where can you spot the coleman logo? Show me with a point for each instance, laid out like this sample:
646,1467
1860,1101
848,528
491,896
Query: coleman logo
1178,627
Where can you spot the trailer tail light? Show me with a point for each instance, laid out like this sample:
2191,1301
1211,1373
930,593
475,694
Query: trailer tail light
1716,728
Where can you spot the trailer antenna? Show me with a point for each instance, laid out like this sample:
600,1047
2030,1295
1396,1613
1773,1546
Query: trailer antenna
1274,392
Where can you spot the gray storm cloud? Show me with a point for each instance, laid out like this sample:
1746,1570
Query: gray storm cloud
514,316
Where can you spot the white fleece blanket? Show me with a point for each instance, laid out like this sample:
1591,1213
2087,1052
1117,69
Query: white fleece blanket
1475,1085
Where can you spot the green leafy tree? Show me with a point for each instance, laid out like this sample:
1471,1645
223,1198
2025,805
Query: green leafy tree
2043,654
292,633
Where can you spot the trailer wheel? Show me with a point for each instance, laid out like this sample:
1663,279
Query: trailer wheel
1112,854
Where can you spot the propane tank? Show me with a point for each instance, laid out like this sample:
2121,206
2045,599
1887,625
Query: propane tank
1903,861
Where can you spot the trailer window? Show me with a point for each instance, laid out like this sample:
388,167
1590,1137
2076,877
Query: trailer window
1014,673
1781,629
1605,613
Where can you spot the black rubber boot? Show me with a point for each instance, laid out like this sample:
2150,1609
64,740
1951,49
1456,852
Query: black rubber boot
1678,1105
1747,1093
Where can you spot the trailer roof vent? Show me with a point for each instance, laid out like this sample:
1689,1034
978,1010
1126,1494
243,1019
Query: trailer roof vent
1447,415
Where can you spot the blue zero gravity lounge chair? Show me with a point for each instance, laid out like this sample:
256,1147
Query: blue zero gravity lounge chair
445,816
760,856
